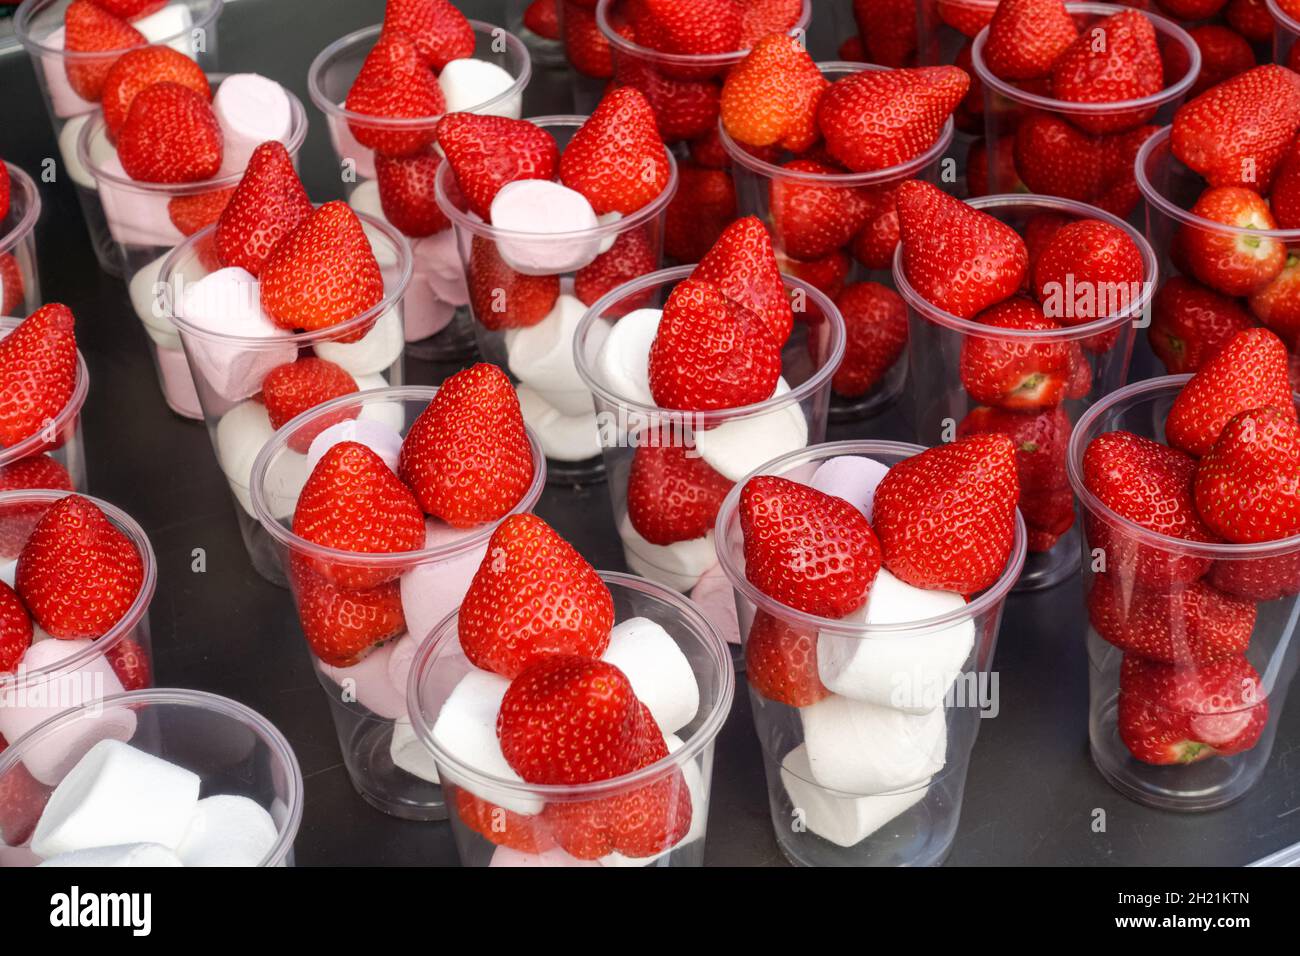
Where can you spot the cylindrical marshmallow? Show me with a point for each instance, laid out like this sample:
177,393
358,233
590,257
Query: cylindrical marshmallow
63,98
737,447
178,382
717,600
562,437
554,857
623,360
132,854
857,747
660,675
172,23
375,435
543,209
409,753
149,302
251,110
844,821
541,356
852,478
467,82
72,163
374,352
678,565
366,683
228,831
136,217
437,259
432,590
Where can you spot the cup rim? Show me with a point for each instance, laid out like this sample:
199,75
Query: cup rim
444,633
31,212
516,46
673,275
464,220
329,333
1282,19
22,30
875,177
392,560
270,735
697,60
34,444
101,645
1076,449
1067,333
1168,94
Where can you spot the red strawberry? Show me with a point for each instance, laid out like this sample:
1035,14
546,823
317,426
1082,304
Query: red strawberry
1192,9
467,456
965,17
440,31
616,158
743,266
503,827
694,27
1190,324
15,629
887,30
1088,270
761,18
1048,514
812,220
342,624
1235,261
672,493
22,801
395,82
12,292
1195,624
711,352
1016,371
38,370
958,258
1251,19
771,96
1041,441
189,214
877,119
1026,36
486,152
131,664
977,168
1054,158
1277,305
826,274
1225,53
78,574
1284,199
781,661
1258,579
267,205
875,243
502,298
291,389
542,17
88,28
141,68
585,46
946,517
634,253
406,192
684,108
875,323
18,520
705,204
4,190
170,135
322,273
1113,60
1247,488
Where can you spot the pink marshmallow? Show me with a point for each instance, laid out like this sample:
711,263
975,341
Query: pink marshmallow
178,383
852,478
717,601
347,147
367,683
437,258
65,100
136,218
251,110
432,591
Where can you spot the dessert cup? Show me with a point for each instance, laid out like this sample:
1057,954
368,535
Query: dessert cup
189,26
873,779
439,666
438,325
1099,351
1285,31
233,750
228,369
367,699
556,404
1135,563
20,285
758,182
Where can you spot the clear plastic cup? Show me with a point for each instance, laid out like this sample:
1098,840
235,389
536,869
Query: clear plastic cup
1134,563
233,750
367,699
759,183
438,323
1285,30
890,761
439,666
1098,351
556,405
544,51
20,284
189,26
1097,140
227,370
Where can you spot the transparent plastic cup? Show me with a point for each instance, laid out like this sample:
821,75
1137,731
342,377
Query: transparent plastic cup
1286,28
189,26
760,184
233,750
939,405
1133,565
556,405
20,284
227,370
439,666
544,51
438,325
367,699
873,779
61,439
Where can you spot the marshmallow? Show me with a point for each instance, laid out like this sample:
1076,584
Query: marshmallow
347,148
425,314
737,447
844,821
241,434
660,675
399,662
68,137
117,794
623,360
468,82
541,356
437,259
409,753
12,857
64,99
716,599
8,571
542,208
374,352
130,854
857,747
365,200
506,856
432,590
910,672
375,435
136,217
699,813
149,308
172,23
366,683
251,110
391,415
562,437
228,831
852,478
678,565
177,382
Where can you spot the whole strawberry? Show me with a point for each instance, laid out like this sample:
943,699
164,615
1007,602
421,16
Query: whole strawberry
406,192
705,204
342,624
1190,324
1041,440
189,214
1089,263
781,661
291,389
1228,260
770,97
38,371
1247,487
810,219
1026,36
1016,370
1052,157
89,28
742,264
440,31
697,27
875,335
1277,305
486,152
503,827
616,158
672,493
542,17
170,135
502,298
138,69
267,205
1116,59
1194,624
15,629
395,82
130,664
634,253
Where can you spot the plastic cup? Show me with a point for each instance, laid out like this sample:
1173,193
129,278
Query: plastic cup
439,666
1285,31
20,284
227,370
1135,563
556,404
437,303
938,402
233,750
38,25
61,439
878,780
367,699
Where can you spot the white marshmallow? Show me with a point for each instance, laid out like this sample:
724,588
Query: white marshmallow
136,217
737,447
908,672
506,856
716,598
543,208
377,436
347,148
623,361
678,565
857,747
409,753
562,437
699,792
374,352
399,662
149,308
852,478
63,98
177,382
251,110
115,795
660,675
366,683
172,23
467,82
437,259
433,590
228,831
541,356
130,854
72,163
843,820
8,571
365,200
12,857
241,434
390,414
425,314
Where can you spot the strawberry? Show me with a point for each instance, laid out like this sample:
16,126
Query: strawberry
965,17
1284,199
89,28
467,456
1192,9
78,574
38,370
1233,261
946,517
683,108
486,152
342,624
1249,372
395,82
878,119
711,352
406,192
18,520
693,27
781,661
742,265
771,96
585,46
170,135
1258,579
138,69
1247,488
570,719
1088,270
1277,305
502,298
293,388
634,253
827,274
500,826
812,220
1016,371
616,158
440,31
1115,59
1054,158
672,493
959,259
189,214
15,629
4,190
761,18
1026,36
1041,440
875,327
1190,324
1251,19
887,32
542,17
1048,515
875,243
809,550
707,150
267,205
977,168
131,664
322,273
1225,53
22,801
704,205
1195,624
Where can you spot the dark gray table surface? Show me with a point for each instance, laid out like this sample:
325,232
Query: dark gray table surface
1032,789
